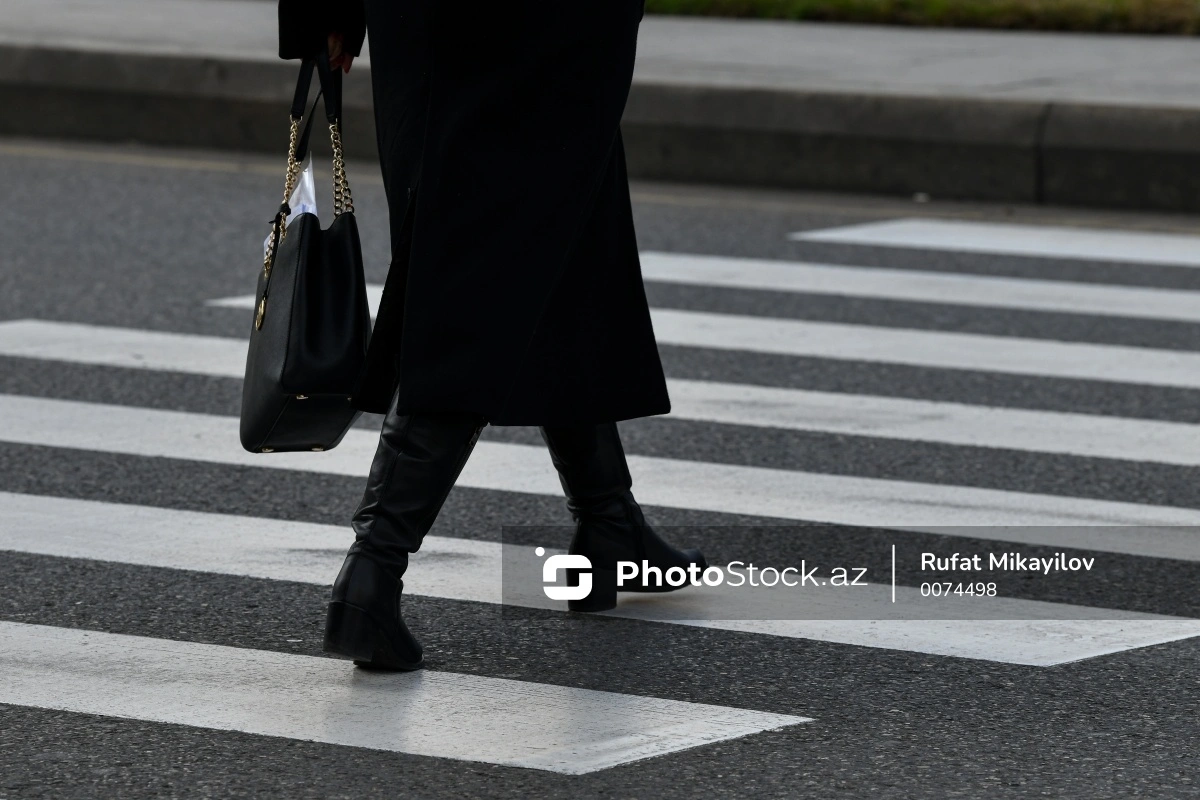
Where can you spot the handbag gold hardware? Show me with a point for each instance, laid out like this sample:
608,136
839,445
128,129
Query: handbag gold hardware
258,315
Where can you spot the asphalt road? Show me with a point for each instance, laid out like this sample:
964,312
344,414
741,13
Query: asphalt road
143,239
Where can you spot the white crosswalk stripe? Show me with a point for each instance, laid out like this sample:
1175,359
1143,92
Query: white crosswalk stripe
1042,241
440,714
983,291
900,418
758,491
573,730
961,351
736,404
1011,355
1003,630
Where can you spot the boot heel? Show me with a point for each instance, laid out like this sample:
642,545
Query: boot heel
603,596
350,632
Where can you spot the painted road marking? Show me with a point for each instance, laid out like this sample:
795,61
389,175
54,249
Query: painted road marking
1002,629
438,714
922,287
723,488
938,350
983,291
905,419
1041,241
736,404
1012,355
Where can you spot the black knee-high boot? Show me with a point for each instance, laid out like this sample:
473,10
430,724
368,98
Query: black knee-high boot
609,525
418,460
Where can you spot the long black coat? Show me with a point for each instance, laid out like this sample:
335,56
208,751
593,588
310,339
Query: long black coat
514,290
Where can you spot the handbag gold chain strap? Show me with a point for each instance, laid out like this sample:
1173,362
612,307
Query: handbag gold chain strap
279,229
343,200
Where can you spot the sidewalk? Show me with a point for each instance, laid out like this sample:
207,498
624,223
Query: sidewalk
1055,118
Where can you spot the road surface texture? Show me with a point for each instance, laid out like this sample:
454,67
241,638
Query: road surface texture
879,367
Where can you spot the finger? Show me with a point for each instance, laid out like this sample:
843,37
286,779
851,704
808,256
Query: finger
347,61
335,46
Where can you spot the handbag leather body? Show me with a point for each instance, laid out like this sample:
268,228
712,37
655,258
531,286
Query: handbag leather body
312,324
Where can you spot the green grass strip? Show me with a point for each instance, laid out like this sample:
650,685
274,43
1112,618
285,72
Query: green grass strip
1110,16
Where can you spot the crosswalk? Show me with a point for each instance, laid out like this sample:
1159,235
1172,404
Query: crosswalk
1010,355
782,494
468,717
984,291
571,730
704,401
1006,629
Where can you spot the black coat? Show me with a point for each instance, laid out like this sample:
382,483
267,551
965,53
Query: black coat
515,290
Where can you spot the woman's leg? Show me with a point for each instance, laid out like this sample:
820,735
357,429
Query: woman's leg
609,525
416,464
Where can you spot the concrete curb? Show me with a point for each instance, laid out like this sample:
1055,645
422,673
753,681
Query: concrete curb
948,147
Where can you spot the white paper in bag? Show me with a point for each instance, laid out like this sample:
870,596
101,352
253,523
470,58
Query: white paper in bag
303,199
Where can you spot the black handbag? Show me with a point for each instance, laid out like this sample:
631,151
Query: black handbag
312,324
